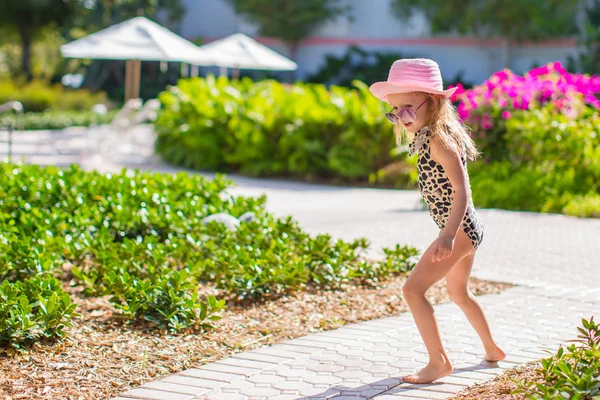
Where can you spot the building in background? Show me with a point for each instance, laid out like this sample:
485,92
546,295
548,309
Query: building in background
375,28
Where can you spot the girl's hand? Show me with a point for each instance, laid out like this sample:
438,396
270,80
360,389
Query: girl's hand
442,247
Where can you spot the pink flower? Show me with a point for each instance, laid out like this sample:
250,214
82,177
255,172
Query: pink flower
486,122
540,71
458,92
502,75
506,114
463,112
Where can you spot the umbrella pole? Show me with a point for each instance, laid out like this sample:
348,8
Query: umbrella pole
127,80
137,72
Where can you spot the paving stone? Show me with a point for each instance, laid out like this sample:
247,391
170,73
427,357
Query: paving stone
379,357
312,391
140,393
229,369
278,351
319,380
224,396
298,373
202,373
349,398
457,380
237,386
275,360
300,350
443,387
378,370
191,381
251,364
265,392
175,387
309,343
322,367
354,362
353,353
327,357
262,378
351,374
418,393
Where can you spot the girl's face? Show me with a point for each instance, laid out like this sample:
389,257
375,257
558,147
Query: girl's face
411,100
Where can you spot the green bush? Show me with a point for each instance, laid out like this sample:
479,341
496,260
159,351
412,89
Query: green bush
267,128
552,165
543,160
587,205
572,373
33,309
140,239
51,119
38,96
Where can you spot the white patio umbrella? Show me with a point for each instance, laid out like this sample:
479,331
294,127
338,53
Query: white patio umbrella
241,52
135,40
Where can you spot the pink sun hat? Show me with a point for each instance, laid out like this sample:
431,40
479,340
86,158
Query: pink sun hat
411,75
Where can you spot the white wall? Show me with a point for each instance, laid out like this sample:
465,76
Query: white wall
375,28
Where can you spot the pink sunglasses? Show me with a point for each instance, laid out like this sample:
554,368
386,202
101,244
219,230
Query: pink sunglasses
406,114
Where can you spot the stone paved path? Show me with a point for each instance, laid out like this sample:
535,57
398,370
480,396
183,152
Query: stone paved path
366,360
555,259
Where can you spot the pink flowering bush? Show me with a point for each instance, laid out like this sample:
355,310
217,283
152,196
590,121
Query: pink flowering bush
487,107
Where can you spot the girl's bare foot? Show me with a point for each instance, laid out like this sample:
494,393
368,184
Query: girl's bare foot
430,373
495,354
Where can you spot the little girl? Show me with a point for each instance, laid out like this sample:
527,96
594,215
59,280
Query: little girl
421,108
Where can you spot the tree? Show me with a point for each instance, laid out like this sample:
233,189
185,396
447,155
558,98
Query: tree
510,20
98,14
589,60
28,17
289,20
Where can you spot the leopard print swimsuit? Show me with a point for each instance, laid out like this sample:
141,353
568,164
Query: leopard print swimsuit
437,191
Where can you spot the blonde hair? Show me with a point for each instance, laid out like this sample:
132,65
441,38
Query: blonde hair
442,119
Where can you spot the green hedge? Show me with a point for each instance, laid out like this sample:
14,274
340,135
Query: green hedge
38,96
552,165
51,119
141,239
267,128
545,161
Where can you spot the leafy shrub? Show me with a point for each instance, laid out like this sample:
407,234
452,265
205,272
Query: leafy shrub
38,96
267,128
51,119
552,164
587,205
33,309
140,238
571,373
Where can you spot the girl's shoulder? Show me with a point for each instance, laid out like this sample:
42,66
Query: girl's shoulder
438,144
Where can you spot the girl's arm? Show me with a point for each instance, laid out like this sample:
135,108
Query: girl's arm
458,178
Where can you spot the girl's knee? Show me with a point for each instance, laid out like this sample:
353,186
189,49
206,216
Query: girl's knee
459,296
411,289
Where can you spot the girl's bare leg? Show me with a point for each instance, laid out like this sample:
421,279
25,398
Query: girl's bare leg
425,274
458,289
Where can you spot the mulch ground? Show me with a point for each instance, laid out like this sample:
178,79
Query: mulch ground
501,386
104,355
